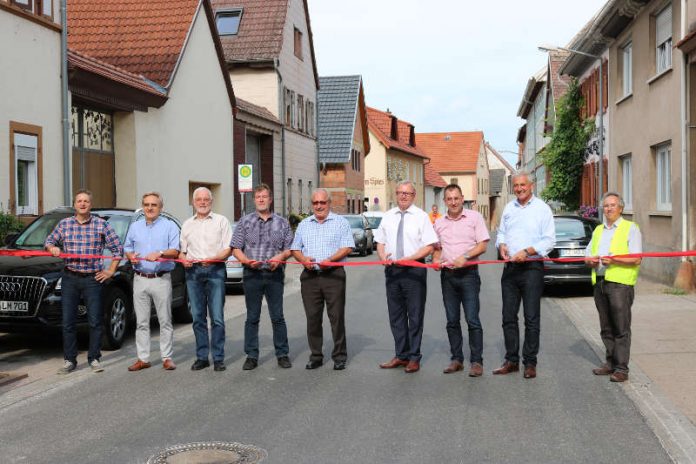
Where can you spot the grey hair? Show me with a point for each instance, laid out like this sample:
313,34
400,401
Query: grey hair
317,190
202,189
530,177
406,182
156,195
614,194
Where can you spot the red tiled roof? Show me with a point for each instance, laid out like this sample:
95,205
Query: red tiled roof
432,178
379,122
260,34
451,151
256,110
113,73
142,37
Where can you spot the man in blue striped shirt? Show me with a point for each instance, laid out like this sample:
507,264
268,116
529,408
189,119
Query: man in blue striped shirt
323,237
526,231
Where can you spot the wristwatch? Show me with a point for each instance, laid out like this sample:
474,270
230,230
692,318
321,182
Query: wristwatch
161,253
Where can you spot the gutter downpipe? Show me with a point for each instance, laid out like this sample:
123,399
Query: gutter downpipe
67,195
685,277
281,112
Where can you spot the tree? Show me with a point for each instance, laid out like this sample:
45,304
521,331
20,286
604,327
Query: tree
564,156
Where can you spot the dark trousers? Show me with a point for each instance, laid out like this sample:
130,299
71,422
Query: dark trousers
460,289
319,289
73,287
614,303
257,284
524,283
406,292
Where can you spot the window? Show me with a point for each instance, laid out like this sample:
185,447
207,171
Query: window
301,195
26,173
301,121
663,40
289,189
663,163
293,119
627,63
627,182
227,22
298,43
288,106
38,7
310,118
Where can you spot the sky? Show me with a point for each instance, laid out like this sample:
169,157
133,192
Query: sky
445,65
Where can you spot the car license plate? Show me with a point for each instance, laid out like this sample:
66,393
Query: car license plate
8,306
572,252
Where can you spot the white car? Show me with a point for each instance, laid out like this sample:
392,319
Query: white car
235,270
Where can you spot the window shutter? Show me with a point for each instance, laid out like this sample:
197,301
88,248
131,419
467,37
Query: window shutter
25,153
663,26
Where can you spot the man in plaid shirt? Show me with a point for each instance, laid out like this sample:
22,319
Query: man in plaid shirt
83,234
259,237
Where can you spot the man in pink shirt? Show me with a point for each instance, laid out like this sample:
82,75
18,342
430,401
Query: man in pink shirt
463,237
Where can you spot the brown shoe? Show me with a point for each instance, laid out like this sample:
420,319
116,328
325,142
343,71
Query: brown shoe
453,367
168,365
529,372
412,366
394,363
507,368
603,370
476,370
618,376
138,365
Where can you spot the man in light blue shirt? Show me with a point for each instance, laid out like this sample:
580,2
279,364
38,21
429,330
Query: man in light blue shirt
526,232
323,237
149,239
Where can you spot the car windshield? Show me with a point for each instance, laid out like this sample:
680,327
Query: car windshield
355,222
374,221
572,229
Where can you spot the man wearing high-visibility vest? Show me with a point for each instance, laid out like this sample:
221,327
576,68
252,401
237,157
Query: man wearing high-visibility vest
614,279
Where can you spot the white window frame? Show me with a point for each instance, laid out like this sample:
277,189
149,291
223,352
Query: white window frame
627,63
663,172
26,151
663,40
627,182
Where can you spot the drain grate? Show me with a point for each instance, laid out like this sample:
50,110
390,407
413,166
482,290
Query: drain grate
209,453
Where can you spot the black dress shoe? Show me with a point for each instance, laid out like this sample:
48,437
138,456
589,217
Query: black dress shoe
339,365
250,364
200,364
219,366
314,364
284,362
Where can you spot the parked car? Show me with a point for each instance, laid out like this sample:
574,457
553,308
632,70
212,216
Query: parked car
235,270
374,218
30,287
362,234
573,234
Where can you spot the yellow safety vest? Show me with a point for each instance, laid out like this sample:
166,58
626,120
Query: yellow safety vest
621,274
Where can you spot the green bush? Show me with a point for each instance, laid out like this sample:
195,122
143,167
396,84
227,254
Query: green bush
294,219
9,224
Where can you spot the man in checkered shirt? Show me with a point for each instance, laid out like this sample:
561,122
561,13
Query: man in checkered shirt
83,234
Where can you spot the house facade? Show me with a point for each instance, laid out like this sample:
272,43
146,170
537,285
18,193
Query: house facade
532,136
500,173
31,155
434,189
269,52
343,141
394,157
152,106
460,158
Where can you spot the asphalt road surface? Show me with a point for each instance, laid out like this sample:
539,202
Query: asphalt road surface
362,414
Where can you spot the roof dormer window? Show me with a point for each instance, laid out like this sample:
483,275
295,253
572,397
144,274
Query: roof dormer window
227,21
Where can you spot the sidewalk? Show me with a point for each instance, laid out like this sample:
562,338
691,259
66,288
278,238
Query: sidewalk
662,380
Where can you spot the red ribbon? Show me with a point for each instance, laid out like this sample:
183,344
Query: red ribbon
403,262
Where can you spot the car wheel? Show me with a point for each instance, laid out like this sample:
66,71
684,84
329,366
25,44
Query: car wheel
182,313
117,316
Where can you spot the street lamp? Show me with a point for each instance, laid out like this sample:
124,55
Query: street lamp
548,48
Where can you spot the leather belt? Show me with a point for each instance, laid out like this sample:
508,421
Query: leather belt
153,275
80,274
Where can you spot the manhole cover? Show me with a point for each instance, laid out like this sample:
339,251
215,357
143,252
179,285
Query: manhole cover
209,453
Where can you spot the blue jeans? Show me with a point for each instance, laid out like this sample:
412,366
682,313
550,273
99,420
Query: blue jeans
73,287
206,292
460,288
257,284
524,283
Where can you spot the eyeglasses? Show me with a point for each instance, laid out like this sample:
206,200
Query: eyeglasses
150,205
319,202
408,194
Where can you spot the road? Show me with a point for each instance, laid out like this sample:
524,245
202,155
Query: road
362,414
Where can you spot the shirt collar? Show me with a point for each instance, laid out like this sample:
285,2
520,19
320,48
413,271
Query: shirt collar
463,215
529,202
209,216
614,225
89,219
330,216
